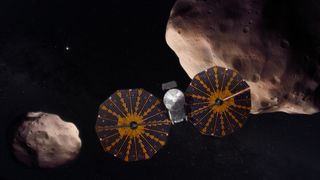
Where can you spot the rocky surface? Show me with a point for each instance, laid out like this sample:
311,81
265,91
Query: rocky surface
45,140
273,44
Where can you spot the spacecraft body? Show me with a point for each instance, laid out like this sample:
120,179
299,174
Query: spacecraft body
174,101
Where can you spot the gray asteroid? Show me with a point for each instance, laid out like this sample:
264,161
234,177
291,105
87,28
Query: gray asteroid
45,140
273,44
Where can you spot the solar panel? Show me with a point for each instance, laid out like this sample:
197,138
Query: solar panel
218,101
132,124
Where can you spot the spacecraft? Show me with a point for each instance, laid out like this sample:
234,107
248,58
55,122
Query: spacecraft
134,124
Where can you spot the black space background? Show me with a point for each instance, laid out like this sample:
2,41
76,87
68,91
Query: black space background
116,45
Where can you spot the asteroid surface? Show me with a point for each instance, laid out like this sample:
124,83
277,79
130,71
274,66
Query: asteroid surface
45,140
273,44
